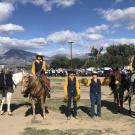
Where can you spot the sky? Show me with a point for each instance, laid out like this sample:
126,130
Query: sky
47,26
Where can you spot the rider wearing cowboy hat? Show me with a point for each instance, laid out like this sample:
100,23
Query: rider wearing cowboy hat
39,68
72,92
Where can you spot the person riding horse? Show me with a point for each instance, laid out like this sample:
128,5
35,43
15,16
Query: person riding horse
38,70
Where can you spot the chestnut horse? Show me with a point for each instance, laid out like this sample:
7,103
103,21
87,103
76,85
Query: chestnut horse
118,92
35,90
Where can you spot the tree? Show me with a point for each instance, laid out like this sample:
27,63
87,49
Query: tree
60,62
78,63
117,55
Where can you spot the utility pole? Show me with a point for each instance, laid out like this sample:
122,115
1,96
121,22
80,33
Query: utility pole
71,51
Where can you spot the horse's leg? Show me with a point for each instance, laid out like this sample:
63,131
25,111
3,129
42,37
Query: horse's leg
1,106
42,105
121,99
9,95
118,100
129,102
33,109
122,95
114,96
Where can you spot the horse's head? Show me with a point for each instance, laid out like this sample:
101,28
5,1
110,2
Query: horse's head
26,84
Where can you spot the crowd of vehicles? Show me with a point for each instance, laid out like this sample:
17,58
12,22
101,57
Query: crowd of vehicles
102,72
80,72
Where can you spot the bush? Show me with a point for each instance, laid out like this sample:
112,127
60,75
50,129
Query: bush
84,81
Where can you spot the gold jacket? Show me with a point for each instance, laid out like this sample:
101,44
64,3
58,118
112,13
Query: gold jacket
33,67
66,86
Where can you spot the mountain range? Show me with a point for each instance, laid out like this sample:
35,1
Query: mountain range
18,57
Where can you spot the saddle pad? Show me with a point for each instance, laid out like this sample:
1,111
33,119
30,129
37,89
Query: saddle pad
2,83
8,80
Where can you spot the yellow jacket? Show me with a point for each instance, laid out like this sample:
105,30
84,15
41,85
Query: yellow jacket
33,67
66,86
131,67
131,64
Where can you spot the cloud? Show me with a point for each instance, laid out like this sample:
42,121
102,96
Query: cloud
97,29
10,28
123,41
61,50
125,16
118,1
63,37
131,27
6,10
47,5
9,43
94,36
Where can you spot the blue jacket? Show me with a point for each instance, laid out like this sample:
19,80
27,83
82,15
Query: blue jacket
95,87
72,86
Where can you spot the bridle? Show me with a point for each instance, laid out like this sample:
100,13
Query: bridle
30,84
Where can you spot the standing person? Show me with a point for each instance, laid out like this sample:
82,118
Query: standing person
38,70
131,64
95,95
72,93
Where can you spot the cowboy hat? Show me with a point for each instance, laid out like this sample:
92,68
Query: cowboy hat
94,73
71,71
40,54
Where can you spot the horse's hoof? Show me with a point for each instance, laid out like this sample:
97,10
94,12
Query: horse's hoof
2,112
130,112
10,113
44,117
34,117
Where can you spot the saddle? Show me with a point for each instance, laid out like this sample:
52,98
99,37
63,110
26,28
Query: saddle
45,83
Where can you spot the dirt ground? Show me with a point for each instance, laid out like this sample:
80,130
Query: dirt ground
114,120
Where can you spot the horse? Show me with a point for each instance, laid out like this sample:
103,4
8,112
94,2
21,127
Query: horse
8,82
118,91
34,89
122,83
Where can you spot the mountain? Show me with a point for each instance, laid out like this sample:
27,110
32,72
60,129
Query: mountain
18,57
21,57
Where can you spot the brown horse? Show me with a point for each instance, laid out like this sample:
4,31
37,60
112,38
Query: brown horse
118,94
35,90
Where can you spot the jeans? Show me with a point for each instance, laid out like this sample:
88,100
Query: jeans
70,100
95,100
